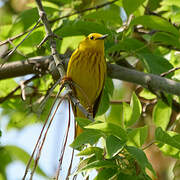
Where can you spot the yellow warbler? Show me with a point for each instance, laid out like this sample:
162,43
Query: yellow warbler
87,70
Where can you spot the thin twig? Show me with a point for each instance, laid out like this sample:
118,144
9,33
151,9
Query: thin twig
45,135
37,143
57,19
51,39
14,49
48,95
64,145
170,71
23,93
18,87
148,145
126,24
70,166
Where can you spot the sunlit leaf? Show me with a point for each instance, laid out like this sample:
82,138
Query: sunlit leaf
168,142
161,114
164,137
6,86
147,94
137,136
133,112
109,129
90,151
115,115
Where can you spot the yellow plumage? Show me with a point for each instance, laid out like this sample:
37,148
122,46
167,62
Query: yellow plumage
87,69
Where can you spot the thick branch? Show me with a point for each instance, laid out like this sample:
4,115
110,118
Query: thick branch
21,68
155,82
146,80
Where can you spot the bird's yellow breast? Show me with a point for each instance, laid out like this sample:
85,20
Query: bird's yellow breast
87,70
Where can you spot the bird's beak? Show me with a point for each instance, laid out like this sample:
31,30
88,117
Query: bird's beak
102,37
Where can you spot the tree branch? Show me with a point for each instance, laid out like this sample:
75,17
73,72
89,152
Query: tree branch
50,36
155,82
22,68
146,80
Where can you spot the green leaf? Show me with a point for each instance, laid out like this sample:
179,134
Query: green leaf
82,122
165,138
6,86
129,44
123,176
130,5
153,4
166,39
105,173
109,129
155,23
108,91
98,165
154,63
4,31
147,94
18,113
132,113
26,19
86,137
109,15
67,43
137,136
74,28
104,103
17,153
141,158
109,86
113,146
46,4
161,114
91,151
115,115
19,119
170,3
5,159
168,142
30,44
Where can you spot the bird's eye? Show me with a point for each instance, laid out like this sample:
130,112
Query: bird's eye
92,37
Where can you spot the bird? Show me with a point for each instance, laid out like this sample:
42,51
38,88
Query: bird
87,71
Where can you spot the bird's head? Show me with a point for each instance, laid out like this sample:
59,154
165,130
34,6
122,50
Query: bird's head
93,41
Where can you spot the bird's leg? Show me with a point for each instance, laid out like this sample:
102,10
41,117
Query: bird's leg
66,79
90,109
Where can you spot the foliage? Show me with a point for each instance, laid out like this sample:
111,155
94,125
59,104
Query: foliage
114,144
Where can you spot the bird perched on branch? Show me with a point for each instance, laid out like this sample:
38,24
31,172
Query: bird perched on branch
87,71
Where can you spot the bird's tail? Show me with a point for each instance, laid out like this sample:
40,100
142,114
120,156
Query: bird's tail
78,129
